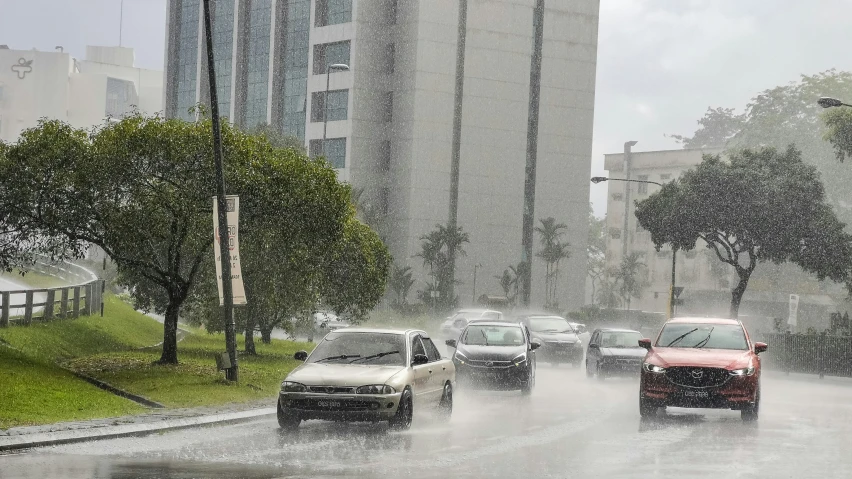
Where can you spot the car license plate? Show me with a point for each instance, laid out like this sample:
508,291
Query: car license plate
696,394
328,404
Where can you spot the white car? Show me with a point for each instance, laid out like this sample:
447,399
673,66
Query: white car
323,323
582,332
453,326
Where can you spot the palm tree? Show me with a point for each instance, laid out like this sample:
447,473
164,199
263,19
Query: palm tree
435,249
608,296
552,252
400,282
628,274
506,282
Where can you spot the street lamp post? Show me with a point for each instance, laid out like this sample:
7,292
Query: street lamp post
628,160
328,69
600,179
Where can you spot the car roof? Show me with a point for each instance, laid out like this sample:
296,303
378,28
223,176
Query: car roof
617,330
495,323
700,320
377,330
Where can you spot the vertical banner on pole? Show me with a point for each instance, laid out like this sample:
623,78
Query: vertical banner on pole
793,319
233,213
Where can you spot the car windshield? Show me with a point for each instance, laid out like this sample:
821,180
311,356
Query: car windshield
485,335
550,325
360,348
707,336
620,339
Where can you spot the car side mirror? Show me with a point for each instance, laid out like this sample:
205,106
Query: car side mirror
535,344
760,347
300,355
645,343
451,343
419,359
593,346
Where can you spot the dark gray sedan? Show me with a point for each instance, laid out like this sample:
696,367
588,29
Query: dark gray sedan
614,352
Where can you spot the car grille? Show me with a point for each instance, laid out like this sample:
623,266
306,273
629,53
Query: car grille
489,364
331,389
559,344
629,362
332,405
693,377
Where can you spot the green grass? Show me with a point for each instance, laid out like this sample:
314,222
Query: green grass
33,392
117,349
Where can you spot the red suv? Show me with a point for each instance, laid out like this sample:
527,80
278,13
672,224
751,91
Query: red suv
701,363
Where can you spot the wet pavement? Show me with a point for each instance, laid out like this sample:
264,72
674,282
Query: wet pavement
19,299
570,427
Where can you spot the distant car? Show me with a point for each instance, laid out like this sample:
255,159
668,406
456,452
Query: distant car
559,340
701,363
318,324
614,352
495,355
453,326
357,374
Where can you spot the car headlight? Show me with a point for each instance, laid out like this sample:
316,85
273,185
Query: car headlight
520,359
653,368
375,389
291,387
743,372
460,357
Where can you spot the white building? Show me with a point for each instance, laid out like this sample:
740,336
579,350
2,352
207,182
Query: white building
55,85
390,118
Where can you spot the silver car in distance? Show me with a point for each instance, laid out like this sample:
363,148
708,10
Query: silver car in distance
358,374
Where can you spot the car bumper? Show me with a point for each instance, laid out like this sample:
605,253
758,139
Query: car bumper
621,367
340,407
561,353
502,378
736,393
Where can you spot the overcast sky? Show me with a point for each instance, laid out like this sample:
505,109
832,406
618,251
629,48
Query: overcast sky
661,63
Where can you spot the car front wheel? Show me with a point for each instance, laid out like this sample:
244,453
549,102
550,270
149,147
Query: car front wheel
528,385
751,412
646,408
287,421
401,421
445,407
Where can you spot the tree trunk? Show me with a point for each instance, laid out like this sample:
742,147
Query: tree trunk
170,325
249,341
266,335
737,294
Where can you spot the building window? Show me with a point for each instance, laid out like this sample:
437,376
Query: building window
617,197
328,54
335,151
665,176
121,97
260,23
615,233
296,51
333,12
642,188
385,157
223,49
187,59
338,105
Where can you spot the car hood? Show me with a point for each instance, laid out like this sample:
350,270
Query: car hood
352,375
624,352
491,353
569,337
709,358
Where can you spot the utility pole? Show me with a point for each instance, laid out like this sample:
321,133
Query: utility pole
532,153
231,374
628,160
452,221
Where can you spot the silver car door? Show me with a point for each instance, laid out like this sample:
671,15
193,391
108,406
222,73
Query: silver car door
422,373
440,370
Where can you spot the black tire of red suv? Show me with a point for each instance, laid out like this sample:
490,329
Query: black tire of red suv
647,408
752,411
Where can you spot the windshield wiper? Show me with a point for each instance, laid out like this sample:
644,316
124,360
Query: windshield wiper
681,337
342,356
484,336
704,341
374,356
549,331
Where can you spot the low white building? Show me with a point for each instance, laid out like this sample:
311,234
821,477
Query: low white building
55,85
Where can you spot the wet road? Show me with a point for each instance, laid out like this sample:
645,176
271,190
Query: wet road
20,298
570,427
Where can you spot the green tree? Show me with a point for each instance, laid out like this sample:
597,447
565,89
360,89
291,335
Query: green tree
552,252
715,129
278,139
434,253
596,251
609,293
141,188
629,275
400,282
763,205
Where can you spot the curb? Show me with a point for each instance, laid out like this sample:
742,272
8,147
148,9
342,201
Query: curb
29,441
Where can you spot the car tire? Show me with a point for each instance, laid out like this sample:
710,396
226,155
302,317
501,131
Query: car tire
752,411
589,373
445,407
600,373
646,408
401,421
286,421
528,385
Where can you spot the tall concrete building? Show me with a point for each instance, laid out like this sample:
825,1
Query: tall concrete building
390,117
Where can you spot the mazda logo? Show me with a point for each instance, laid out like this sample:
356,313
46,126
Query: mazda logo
697,373
489,364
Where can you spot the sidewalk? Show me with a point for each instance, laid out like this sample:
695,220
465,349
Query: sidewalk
110,428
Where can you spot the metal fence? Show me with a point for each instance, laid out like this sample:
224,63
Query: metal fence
84,295
810,353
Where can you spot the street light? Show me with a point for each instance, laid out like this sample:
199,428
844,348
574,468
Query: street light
328,69
827,102
601,179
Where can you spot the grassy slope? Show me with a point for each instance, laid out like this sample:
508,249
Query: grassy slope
117,349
